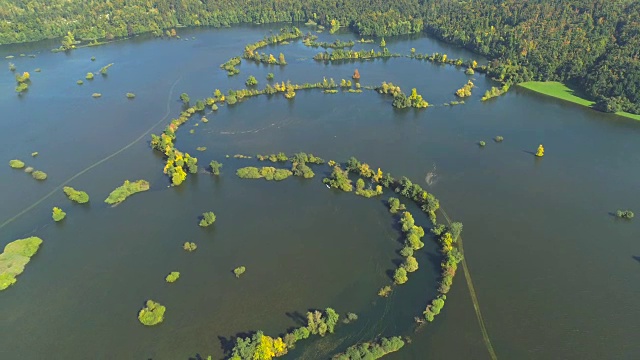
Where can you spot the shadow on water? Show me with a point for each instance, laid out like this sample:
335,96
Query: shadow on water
637,258
297,317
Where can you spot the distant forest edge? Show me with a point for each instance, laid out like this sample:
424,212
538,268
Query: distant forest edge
594,44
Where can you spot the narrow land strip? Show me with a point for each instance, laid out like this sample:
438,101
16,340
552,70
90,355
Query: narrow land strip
561,91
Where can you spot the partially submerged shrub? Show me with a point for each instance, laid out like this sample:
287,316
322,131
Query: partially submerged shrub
189,246
239,271
28,169
208,218
89,76
79,82
172,277
482,143
152,313
39,175
96,95
385,291
131,95
16,164
625,214
498,139
58,214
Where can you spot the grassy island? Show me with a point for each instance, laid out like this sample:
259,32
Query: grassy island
80,197
208,218
14,258
127,189
172,277
189,246
58,214
39,175
152,313
16,164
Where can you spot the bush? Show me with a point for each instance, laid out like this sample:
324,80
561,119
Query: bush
39,175
400,276
482,143
239,271
625,214
96,95
89,76
350,317
152,313
189,246
93,58
79,82
410,264
28,169
251,81
270,76
208,218
131,95
406,251
127,189
58,214
34,154
80,197
172,277
385,291
215,167
16,164
498,139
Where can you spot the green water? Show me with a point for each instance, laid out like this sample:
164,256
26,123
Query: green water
554,272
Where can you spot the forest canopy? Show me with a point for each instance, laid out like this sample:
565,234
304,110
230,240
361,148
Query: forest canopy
593,44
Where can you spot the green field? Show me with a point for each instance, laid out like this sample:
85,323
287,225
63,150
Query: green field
561,91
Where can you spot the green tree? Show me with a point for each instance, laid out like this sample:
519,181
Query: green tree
208,218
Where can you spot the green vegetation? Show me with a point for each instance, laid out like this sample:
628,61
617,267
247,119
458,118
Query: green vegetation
16,164
350,318
104,69
561,91
172,277
371,351
383,43
230,66
96,95
400,276
299,164
39,175
89,76
251,81
189,246
80,197
28,169
481,143
495,92
15,257
279,157
261,346
285,34
400,99
268,173
385,291
270,76
152,313
34,154
208,218
498,139
23,82
310,40
201,148
79,82
360,190
58,214
131,95
339,179
239,271
93,58
127,189
465,91
215,167
469,71
12,66
339,54
184,97
625,214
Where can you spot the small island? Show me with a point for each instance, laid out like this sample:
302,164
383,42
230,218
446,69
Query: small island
152,313
15,257
127,189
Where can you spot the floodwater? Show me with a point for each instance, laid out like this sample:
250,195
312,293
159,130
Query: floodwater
555,273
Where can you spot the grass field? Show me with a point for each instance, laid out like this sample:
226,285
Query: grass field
561,91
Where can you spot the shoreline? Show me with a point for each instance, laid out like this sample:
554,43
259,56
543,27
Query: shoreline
560,91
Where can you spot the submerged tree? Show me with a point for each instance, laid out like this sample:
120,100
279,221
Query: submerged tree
540,151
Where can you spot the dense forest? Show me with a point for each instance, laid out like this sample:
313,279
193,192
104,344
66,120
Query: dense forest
594,44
